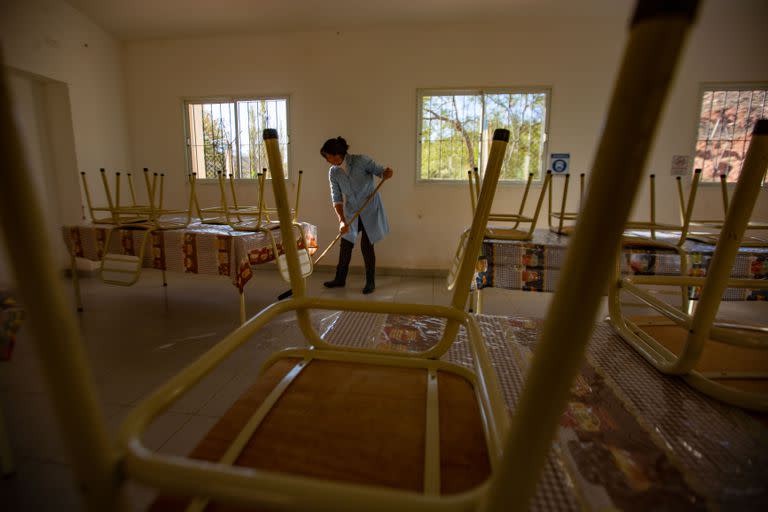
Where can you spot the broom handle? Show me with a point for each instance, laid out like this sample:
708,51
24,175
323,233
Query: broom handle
354,218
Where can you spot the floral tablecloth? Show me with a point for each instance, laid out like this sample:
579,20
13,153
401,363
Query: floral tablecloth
535,265
197,249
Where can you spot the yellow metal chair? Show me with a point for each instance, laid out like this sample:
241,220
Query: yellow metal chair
262,219
261,216
562,216
140,219
499,232
726,361
514,232
516,453
220,214
320,359
114,214
647,230
708,230
232,213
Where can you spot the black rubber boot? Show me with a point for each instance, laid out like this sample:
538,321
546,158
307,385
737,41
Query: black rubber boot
340,280
370,281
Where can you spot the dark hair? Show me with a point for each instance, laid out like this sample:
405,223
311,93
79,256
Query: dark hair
337,146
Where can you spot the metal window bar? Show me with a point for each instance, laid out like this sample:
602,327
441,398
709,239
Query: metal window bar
722,147
438,133
221,135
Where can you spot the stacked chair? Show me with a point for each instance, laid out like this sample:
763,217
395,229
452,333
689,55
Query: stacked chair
513,232
515,448
709,230
229,211
141,218
223,213
727,361
258,218
499,232
649,229
562,216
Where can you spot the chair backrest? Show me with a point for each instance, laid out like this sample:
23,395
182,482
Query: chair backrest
679,347
736,222
655,41
473,242
562,215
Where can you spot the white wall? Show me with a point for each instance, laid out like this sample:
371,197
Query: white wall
77,67
362,85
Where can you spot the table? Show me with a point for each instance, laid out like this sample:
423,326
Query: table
630,438
535,265
197,249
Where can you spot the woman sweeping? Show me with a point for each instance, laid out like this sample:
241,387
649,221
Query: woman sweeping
352,183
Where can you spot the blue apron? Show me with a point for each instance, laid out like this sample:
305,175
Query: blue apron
352,188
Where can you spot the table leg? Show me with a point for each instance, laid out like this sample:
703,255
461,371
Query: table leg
6,457
165,282
76,283
242,307
479,301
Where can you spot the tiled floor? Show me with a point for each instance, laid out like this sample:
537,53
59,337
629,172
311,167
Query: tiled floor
137,337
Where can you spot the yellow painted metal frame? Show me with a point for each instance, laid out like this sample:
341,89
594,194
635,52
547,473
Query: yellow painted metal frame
654,44
154,468
261,216
241,217
708,230
151,213
562,216
497,233
306,264
651,224
219,214
701,324
513,233
518,218
120,269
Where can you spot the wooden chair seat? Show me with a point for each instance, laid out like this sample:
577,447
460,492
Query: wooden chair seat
716,356
354,423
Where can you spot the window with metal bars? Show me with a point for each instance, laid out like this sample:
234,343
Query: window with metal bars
224,135
455,130
726,118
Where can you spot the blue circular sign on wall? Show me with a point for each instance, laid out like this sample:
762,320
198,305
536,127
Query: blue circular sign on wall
559,162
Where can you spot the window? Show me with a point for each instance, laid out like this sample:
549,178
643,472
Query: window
225,135
726,118
456,131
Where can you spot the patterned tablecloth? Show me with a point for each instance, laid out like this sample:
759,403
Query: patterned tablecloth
630,438
535,265
197,249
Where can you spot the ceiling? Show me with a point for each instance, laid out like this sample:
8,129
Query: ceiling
131,20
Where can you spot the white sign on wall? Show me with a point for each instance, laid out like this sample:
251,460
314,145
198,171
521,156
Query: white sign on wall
679,165
559,162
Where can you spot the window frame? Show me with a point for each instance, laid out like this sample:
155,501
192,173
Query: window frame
452,91
187,142
717,86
